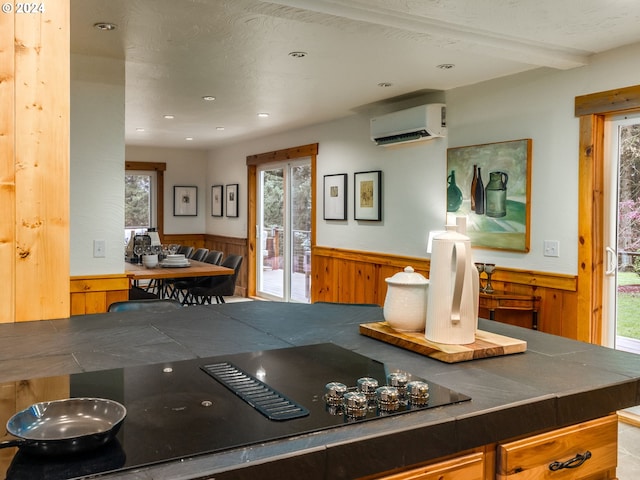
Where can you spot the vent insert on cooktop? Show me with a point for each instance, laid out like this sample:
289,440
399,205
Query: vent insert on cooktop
266,400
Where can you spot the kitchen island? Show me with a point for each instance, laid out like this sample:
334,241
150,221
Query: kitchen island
556,383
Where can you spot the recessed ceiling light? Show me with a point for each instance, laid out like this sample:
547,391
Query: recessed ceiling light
263,115
298,54
445,66
208,98
139,129
189,139
169,117
105,26
385,84
220,129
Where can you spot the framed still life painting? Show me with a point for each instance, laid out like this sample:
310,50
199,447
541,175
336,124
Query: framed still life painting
490,185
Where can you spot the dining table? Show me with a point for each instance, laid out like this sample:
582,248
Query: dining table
160,273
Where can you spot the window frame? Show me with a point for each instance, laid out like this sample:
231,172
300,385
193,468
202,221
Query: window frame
159,168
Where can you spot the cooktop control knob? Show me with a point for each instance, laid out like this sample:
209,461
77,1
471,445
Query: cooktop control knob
387,398
334,391
355,404
418,393
368,385
398,380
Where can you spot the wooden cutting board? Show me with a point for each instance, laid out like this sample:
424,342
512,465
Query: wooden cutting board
487,344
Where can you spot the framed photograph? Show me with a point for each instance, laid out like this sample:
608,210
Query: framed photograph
216,200
232,200
185,201
490,184
335,197
368,195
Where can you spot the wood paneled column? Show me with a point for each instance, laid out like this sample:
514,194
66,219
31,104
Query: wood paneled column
34,163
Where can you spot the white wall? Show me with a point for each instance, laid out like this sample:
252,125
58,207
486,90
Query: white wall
97,164
537,105
185,167
345,147
228,167
540,105
413,195
97,168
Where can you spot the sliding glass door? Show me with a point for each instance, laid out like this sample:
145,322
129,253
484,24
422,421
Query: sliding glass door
622,234
284,231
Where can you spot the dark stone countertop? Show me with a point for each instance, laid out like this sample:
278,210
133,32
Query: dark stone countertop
555,383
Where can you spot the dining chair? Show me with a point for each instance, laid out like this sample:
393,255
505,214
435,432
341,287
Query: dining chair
199,254
218,287
149,305
214,257
140,293
168,285
181,287
185,250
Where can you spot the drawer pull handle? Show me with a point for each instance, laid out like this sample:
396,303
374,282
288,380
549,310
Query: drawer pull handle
575,462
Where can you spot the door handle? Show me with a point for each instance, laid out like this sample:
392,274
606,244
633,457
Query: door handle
612,261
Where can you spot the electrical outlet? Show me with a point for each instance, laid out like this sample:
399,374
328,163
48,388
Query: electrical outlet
99,249
551,248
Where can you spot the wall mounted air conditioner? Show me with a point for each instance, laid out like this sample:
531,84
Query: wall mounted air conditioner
410,125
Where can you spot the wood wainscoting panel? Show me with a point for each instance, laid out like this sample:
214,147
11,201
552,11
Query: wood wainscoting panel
232,246
94,293
349,276
195,240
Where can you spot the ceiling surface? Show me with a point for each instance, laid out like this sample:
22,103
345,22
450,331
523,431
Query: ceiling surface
359,54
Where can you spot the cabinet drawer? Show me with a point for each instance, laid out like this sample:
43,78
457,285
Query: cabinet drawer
467,467
530,458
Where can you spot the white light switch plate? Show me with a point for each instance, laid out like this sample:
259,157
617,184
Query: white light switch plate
551,248
99,249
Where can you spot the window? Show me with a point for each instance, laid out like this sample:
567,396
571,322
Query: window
140,211
144,197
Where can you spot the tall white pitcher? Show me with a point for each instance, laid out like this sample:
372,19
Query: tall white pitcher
452,309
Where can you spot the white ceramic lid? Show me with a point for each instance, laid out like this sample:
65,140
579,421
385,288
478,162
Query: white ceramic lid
407,277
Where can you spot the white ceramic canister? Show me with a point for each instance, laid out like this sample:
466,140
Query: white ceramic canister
405,306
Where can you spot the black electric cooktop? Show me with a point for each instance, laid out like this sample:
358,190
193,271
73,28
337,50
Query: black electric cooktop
180,409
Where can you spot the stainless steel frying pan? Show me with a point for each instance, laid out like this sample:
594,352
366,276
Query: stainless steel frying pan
65,426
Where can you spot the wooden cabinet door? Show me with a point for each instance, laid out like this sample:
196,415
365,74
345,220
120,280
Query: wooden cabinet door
561,454
466,467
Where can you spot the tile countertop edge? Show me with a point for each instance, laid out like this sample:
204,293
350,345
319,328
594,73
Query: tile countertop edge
378,447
